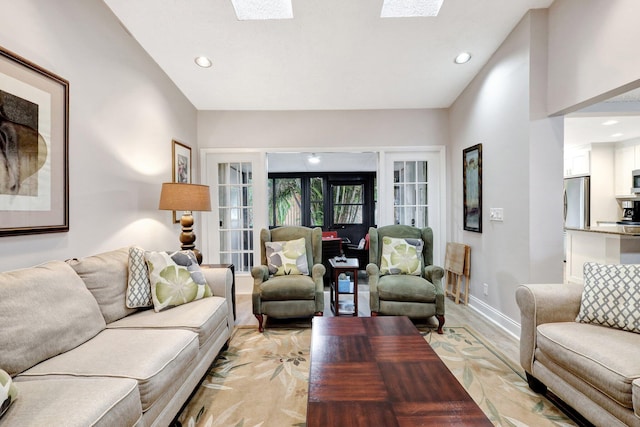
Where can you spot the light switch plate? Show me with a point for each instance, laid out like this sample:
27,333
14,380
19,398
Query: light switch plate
496,214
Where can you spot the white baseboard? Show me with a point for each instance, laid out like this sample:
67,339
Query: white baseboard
494,316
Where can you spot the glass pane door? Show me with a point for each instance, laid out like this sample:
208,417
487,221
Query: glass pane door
410,186
235,210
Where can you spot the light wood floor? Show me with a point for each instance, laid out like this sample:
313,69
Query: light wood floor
455,315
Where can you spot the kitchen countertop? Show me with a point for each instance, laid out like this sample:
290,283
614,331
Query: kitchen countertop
622,230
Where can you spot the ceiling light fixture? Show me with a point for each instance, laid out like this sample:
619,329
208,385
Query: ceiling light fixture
410,8
203,61
609,122
251,10
313,159
462,58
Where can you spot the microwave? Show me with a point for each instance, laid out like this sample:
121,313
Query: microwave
636,181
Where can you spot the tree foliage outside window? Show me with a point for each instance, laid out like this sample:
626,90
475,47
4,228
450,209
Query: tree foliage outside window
347,204
288,201
317,202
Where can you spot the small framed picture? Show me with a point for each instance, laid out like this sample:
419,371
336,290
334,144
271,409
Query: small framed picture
472,187
181,155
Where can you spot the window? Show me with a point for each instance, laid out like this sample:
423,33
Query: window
348,203
285,207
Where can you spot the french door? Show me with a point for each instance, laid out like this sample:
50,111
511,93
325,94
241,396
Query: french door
411,193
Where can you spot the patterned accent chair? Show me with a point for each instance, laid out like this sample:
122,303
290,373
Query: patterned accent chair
393,289
282,295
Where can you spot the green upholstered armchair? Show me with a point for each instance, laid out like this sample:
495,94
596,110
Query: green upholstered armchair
397,293
284,295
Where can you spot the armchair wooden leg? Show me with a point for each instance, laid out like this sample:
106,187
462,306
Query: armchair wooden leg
374,314
440,318
260,318
318,313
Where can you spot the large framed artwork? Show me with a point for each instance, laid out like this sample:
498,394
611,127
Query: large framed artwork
472,184
181,155
34,148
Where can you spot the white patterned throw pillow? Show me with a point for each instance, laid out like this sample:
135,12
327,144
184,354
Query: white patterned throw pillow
401,256
611,296
8,392
138,285
288,257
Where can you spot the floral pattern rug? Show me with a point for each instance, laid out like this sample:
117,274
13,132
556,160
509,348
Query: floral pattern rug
261,380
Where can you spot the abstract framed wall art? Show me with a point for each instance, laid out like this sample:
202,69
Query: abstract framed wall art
472,187
34,148
181,155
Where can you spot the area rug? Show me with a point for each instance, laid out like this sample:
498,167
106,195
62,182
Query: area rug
261,380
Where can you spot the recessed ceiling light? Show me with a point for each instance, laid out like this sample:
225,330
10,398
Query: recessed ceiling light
410,8
203,61
249,10
462,58
609,122
617,135
313,159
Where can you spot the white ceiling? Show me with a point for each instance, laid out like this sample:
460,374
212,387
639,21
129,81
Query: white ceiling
334,54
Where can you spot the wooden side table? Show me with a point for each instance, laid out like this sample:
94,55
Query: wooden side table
351,265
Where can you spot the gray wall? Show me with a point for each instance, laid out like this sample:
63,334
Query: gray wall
522,173
593,47
124,112
355,128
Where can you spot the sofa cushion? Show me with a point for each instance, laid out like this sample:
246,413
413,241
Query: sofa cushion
8,392
202,317
44,311
76,402
106,277
154,358
279,288
606,358
287,257
138,285
175,278
406,288
611,296
401,256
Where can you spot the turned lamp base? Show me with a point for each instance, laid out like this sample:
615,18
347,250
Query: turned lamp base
188,237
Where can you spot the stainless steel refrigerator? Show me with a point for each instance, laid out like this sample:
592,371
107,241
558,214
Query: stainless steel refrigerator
576,202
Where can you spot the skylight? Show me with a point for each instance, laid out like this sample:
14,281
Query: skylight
248,10
410,8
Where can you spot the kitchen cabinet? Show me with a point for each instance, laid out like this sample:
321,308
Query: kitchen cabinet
627,158
577,161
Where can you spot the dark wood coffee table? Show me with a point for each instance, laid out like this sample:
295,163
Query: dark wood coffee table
379,371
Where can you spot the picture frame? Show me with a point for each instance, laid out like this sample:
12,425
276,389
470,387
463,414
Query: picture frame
181,171
472,187
34,150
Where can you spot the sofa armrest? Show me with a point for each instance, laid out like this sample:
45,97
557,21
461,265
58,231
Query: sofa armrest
635,395
373,275
220,280
434,274
545,303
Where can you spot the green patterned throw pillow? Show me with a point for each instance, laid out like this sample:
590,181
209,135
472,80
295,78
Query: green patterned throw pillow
401,256
611,296
175,278
8,392
287,258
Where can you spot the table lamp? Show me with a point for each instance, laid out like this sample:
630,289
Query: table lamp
187,198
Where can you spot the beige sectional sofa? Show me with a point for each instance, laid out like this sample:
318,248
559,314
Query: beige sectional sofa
593,368
79,357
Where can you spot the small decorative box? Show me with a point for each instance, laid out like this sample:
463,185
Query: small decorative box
345,285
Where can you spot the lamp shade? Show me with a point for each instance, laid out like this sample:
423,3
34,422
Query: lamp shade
184,197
